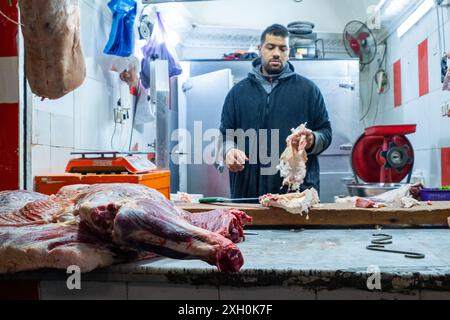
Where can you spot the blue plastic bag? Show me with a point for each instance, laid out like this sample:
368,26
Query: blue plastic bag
121,38
159,47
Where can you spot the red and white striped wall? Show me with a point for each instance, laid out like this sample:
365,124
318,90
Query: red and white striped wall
10,130
9,98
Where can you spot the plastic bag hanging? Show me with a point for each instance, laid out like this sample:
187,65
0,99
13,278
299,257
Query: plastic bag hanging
121,38
144,112
159,47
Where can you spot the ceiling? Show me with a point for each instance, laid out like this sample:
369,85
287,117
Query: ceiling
328,15
239,23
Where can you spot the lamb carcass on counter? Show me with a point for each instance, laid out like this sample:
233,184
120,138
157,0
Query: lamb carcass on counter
94,226
404,197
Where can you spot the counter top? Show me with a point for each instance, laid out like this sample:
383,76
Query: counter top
313,259
333,214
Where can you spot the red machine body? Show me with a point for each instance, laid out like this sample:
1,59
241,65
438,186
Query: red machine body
383,154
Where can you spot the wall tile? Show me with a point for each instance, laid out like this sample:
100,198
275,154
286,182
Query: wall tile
445,156
433,131
353,294
90,96
413,114
266,293
40,156
429,162
399,75
410,76
434,295
85,115
95,21
145,291
77,120
447,27
423,73
62,106
41,127
434,62
443,134
58,159
57,290
62,133
9,85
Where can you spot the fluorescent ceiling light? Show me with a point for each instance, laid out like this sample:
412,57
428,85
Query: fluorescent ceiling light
415,17
174,38
380,5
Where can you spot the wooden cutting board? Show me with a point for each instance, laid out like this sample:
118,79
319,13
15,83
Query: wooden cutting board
341,215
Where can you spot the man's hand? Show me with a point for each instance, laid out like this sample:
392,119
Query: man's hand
304,138
235,160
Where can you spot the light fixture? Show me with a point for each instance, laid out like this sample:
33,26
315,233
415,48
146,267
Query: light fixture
415,17
380,5
174,38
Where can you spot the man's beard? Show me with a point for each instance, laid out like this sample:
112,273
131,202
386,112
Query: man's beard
273,71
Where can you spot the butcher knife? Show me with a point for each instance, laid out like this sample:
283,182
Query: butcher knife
226,200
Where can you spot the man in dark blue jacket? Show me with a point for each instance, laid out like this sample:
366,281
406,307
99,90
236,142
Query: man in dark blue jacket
259,113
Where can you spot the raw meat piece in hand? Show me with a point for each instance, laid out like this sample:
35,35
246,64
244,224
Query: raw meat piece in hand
293,160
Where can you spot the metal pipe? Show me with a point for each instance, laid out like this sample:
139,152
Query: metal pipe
439,27
159,73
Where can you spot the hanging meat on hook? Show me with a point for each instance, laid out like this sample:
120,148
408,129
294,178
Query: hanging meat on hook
51,31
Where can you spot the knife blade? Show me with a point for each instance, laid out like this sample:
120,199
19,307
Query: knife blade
227,200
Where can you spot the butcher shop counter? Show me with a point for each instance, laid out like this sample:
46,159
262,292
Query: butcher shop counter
279,264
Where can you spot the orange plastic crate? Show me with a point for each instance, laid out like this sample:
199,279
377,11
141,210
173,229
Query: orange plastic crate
157,179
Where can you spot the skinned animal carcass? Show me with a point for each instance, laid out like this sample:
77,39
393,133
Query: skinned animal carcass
54,59
94,226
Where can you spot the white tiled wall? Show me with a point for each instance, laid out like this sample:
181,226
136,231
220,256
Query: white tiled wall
433,130
83,119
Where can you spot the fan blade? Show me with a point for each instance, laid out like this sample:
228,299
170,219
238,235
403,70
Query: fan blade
349,37
353,43
363,36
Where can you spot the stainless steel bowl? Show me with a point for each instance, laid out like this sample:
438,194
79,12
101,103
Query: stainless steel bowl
371,189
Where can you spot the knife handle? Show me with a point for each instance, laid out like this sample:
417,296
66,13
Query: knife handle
211,200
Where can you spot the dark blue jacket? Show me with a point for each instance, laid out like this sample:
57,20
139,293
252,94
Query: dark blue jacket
291,101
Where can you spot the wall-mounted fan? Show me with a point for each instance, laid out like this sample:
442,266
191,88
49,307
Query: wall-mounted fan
360,42
145,27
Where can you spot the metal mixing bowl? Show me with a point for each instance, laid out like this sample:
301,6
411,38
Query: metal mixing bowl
371,189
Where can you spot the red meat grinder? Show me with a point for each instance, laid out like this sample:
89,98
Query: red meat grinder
384,155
